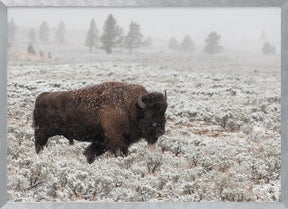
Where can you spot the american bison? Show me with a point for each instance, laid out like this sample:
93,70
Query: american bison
111,116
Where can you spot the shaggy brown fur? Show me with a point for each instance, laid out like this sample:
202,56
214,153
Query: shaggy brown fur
108,115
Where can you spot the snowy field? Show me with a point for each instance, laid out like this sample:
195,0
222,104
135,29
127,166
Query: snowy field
222,140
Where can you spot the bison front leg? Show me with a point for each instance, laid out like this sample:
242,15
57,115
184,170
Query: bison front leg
123,151
92,151
40,140
117,145
116,128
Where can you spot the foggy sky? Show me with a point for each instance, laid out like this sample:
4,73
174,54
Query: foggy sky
231,23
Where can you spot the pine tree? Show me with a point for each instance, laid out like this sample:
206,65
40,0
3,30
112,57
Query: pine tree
134,37
41,53
30,49
11,32
60,35
148,42
120,38
212,43
44,32
173,44
32,36
187,45
92,38
111,33
268,49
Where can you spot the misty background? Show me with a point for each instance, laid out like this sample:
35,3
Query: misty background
237,31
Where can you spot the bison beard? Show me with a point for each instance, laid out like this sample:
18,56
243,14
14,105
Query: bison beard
111,116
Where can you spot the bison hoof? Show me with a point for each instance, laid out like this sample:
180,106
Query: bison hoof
90,153
38,148
90,159
71,142
120,153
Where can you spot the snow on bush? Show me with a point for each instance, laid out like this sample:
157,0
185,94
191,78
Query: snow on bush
222,140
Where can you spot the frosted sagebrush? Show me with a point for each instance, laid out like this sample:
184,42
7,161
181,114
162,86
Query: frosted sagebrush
222,140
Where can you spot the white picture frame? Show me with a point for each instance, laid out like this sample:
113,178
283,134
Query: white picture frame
4,6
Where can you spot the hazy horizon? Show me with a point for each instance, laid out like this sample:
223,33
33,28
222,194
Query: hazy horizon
238,27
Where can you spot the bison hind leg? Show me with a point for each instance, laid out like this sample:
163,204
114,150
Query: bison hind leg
92,151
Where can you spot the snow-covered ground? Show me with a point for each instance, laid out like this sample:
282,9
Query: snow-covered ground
222,140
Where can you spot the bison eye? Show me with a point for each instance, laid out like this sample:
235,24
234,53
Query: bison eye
158,124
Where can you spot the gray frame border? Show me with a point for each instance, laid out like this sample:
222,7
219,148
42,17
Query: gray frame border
4,4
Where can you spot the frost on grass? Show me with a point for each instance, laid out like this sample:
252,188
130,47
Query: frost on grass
222,140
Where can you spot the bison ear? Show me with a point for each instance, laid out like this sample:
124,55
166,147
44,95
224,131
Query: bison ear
140,102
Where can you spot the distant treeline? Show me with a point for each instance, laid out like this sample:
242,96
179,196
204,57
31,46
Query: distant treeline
113,36
187,45
212,45
43,33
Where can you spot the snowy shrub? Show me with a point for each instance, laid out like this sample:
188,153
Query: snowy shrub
229,120
145,193
197,189
222,139
171,144
235,195
127,162
154,163
225,162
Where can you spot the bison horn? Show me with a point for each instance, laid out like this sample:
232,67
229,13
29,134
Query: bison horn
165,96
140,102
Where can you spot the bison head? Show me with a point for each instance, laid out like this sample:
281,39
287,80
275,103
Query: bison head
152,108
